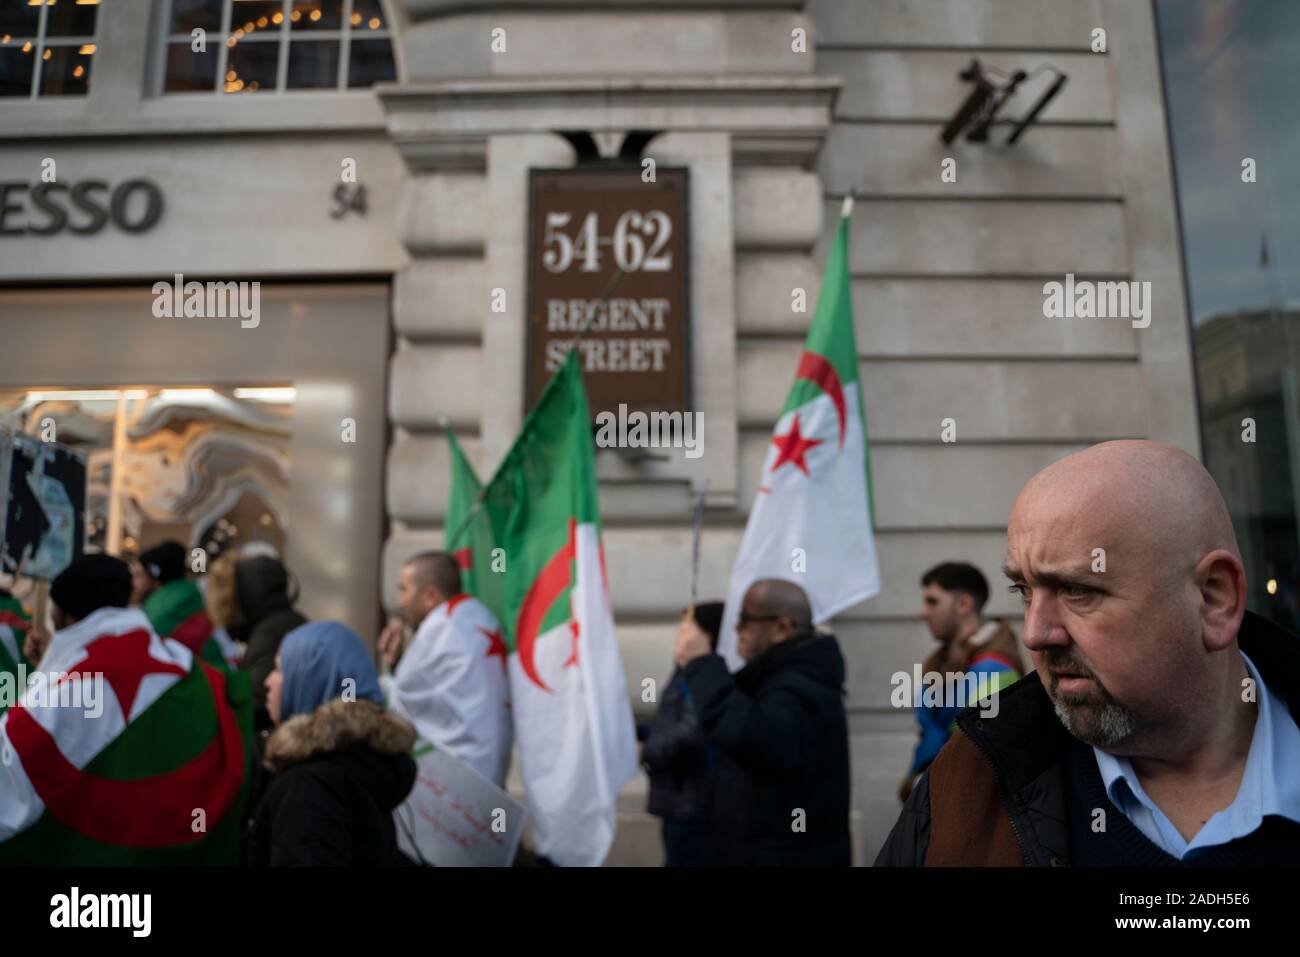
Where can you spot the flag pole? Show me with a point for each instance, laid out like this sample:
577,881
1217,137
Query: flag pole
846,212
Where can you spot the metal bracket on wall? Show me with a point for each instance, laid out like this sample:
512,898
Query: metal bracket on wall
980,109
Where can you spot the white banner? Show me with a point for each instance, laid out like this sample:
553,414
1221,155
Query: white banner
455,817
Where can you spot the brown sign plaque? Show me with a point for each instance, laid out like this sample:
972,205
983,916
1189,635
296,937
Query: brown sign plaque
607,276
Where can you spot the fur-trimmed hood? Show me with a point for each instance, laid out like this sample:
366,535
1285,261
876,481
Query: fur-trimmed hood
335,726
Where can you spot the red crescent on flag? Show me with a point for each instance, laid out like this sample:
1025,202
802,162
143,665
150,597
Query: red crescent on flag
464,558
550,583
155,811
822,374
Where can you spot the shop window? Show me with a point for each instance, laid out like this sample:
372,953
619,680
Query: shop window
262,46
208,467
1229,80
46,47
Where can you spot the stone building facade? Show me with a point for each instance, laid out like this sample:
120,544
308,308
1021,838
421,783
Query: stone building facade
947,276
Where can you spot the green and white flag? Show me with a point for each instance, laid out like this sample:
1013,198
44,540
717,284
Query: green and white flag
573,722
811,522
14,625
125,749
468,534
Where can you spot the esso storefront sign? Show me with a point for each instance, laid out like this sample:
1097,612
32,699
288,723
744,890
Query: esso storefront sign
84,207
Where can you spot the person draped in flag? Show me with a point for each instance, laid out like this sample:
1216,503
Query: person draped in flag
174,603
125,749
451,681
15,623
812,518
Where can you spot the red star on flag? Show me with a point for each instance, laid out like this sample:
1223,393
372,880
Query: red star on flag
496,645
124,661
792,446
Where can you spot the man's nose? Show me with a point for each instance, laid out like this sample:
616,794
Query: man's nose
1043,626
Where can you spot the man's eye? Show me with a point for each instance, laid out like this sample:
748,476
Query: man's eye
1020,590
1076,591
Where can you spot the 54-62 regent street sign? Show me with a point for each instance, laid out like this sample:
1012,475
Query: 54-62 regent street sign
607,276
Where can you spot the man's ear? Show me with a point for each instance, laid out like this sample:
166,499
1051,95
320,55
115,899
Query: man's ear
1221,580
965,604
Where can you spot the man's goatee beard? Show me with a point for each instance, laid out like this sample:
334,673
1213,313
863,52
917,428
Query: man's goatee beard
1113,726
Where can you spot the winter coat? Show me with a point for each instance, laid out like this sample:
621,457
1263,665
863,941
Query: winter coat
781,790
338,774
992,651
676,756
1018,789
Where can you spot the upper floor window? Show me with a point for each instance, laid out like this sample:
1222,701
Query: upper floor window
58,36
252,46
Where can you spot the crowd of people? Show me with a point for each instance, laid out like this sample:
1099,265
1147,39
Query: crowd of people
230,729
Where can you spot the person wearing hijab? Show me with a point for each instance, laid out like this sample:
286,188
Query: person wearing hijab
341,763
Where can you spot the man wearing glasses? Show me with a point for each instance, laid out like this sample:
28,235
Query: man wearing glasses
781,790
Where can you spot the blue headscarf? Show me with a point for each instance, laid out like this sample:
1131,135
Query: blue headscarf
316,659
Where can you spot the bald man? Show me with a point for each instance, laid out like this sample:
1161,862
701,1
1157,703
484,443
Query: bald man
1159,726
779,734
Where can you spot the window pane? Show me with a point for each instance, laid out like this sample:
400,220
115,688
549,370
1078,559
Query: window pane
187,70
1230,81
367,15
65,71
17,18
256,18
15,70
68,19
251,67
371,61
313,64
190,15
317,15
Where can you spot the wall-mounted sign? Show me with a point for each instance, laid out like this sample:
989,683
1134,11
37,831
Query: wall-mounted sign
84,207
607,276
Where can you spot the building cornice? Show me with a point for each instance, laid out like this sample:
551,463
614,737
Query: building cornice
781,119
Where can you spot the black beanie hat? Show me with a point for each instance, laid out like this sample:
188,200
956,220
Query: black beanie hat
708,615
90,583
164,563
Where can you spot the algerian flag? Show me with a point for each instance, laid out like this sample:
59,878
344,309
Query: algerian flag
573,722
140,754
14,625
468,532
811,521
